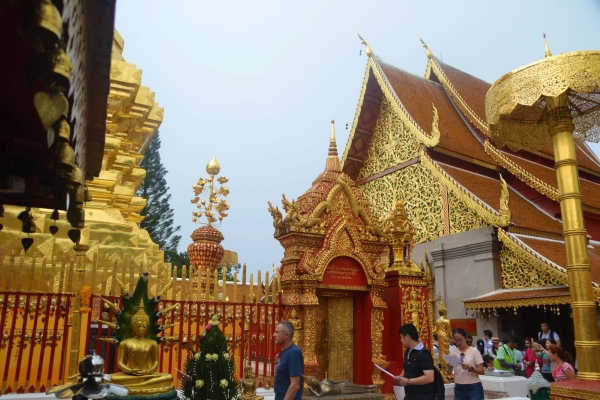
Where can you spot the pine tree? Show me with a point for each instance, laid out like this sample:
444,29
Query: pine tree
158,213
210,373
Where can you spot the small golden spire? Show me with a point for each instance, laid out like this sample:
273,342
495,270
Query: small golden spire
362,41
332,141
548,53
333,161
427,51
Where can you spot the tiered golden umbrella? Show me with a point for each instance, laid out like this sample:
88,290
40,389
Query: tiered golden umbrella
549,104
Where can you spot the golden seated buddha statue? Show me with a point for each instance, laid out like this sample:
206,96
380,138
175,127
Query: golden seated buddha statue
138,351
249,385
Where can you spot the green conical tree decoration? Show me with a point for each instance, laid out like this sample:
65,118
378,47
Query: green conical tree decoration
210,371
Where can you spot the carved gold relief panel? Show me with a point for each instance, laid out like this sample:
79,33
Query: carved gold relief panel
462,218
421,194
517,272
391,144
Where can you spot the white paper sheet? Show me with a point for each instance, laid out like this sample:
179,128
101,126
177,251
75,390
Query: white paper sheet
452,361
383,370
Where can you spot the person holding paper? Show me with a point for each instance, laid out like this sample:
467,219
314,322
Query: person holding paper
466,374
417,377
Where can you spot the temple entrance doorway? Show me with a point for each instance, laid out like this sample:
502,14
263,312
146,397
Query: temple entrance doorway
335,336
340,332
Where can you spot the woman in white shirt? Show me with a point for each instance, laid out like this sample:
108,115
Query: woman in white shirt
466,374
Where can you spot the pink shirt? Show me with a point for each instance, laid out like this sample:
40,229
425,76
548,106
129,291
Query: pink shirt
473,358
559,372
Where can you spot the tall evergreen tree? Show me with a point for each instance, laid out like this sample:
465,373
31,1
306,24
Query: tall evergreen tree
158,213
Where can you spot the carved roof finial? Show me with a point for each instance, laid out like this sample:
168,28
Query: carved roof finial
427,50
332,140
333,161
368,49
548,53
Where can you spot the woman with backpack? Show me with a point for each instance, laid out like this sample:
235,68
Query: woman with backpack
467,385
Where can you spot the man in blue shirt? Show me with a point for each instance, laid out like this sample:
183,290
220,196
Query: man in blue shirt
289,367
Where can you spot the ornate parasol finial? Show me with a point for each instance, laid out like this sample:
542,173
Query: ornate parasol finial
368,49
220,205
427,50
548,53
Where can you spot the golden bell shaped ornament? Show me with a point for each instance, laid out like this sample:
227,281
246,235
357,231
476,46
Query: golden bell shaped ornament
62,67
46,24
64,160
76,179
87,195
61,130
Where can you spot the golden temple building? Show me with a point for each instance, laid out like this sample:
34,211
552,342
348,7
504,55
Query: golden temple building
485,214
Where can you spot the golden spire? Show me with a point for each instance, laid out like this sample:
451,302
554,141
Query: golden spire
548,53
427,51
362,41
332,142
333,161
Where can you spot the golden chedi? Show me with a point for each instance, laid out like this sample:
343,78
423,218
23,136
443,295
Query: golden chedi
137,341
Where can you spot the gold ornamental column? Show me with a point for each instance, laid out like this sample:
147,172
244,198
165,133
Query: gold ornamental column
560,126
543,105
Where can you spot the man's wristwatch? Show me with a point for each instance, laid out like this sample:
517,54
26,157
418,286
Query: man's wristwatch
471,369
408,382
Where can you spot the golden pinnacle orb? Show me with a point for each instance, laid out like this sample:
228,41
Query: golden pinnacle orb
214,209
213,167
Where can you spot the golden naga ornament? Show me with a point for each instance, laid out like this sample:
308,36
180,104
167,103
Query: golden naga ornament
216,204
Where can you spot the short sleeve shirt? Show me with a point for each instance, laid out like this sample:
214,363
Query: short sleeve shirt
471,357
559,372
550,335
289,363
415,362
546,363
512,356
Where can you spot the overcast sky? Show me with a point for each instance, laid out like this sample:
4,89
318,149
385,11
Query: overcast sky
256,83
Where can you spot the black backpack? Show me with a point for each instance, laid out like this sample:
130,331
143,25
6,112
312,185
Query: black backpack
438,384
439,390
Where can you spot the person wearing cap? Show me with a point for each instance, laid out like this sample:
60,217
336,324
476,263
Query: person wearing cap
494,349
481,346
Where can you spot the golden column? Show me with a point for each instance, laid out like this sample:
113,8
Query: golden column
543,105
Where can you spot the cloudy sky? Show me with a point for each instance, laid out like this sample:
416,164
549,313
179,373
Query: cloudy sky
256,83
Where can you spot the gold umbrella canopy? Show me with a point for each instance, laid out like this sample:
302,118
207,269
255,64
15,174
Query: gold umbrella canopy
516,108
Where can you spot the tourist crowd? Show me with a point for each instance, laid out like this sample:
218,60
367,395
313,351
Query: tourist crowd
520,356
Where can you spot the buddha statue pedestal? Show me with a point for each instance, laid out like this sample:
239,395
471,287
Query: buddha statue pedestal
339,390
